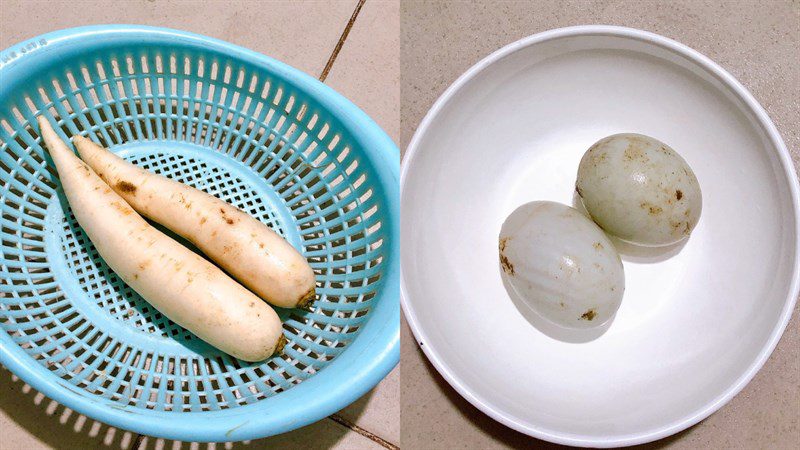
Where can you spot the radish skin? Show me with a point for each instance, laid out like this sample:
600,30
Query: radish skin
183,286
248,249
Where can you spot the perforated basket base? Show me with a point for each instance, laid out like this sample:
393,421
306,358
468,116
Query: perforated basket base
155,341
239,126
82,268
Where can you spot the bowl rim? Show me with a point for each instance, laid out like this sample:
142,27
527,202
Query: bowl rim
693,417
376,349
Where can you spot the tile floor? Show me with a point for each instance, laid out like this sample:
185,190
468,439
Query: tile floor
757,43
366,70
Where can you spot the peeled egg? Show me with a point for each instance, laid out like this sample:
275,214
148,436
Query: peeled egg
561,264
639,190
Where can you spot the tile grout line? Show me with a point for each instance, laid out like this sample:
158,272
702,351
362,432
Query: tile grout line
367,434
325,71
340,42
335,417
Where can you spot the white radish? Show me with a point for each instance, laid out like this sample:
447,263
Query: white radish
183,286
248,249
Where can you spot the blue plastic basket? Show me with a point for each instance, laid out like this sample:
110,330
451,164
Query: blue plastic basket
246,128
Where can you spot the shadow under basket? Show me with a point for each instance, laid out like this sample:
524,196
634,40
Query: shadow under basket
250,130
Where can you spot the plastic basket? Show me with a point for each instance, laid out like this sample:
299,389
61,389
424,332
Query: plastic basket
246,128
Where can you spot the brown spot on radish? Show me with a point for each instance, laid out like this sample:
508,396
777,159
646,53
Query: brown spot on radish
634,151
143,265
506,264
598,246
281,344
597,158
252,304
653,210
307,299
126,187
679,227
260,245
678,194
136,276
202,220
503,242
228,220
589,315
124,209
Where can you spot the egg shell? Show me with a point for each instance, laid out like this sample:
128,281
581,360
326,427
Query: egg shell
639,189
561,264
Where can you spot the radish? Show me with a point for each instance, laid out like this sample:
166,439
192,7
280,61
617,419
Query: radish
182,285
248,249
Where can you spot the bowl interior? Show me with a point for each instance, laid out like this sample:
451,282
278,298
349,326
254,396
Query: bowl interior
696,318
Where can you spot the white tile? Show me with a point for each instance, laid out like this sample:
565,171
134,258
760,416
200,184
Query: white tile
31,421
379,410
323,435
301,34
367,70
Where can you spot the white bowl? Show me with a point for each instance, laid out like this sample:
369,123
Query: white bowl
697,321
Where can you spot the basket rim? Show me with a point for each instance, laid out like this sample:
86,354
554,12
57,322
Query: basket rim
368,358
